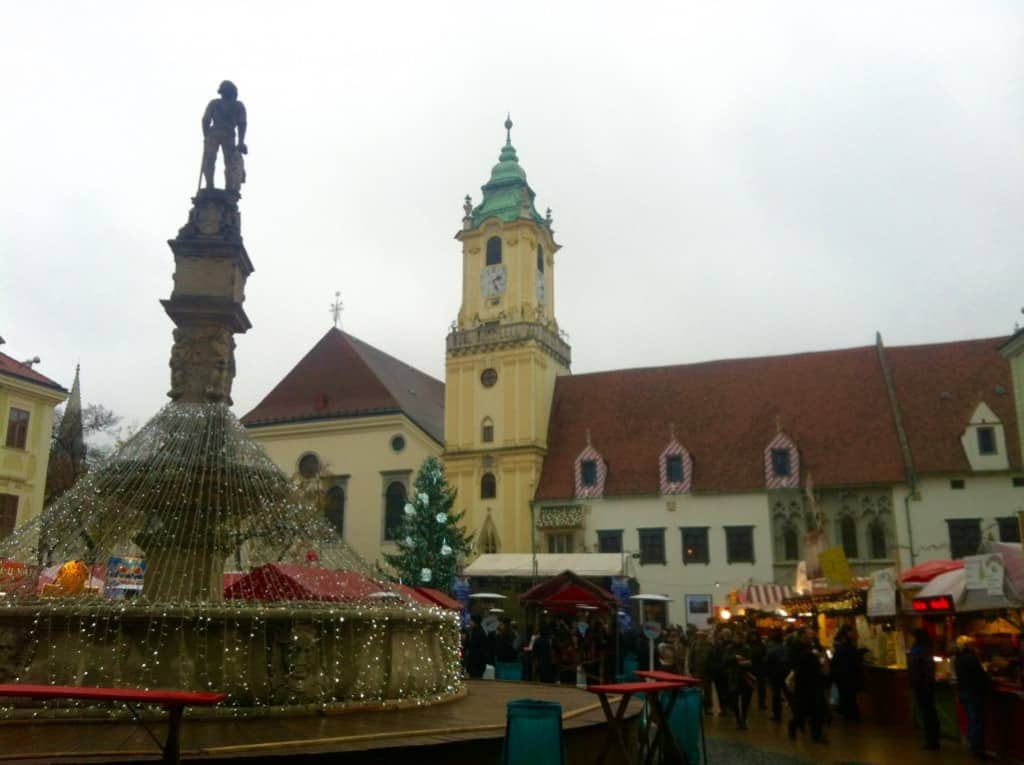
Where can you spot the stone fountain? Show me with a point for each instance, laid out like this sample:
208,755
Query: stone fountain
189,494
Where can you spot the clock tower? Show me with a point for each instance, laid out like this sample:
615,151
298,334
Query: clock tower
503,354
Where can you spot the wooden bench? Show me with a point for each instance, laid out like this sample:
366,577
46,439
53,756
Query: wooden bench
173,701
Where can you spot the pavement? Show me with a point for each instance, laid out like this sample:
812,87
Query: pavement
766,743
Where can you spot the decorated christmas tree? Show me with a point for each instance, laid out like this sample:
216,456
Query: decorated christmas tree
430,541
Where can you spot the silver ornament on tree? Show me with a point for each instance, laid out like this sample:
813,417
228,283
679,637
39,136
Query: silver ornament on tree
426,575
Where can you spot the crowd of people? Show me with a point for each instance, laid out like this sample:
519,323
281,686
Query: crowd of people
557,650
739,668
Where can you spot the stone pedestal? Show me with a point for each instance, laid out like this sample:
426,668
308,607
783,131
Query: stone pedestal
210,270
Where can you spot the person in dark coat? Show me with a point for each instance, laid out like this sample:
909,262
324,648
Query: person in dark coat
776,667
737,666
505,644
544,655
972,683
921,672
846,671
758,656
808,688
476,649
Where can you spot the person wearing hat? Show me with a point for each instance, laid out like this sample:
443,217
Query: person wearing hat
972,682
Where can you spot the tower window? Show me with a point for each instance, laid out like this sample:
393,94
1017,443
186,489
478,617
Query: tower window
394,509
488,486
335,510
986,441
588,473
674,468
540,259
487,431
780,462
494,251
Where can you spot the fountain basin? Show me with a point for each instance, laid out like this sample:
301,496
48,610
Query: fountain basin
274,657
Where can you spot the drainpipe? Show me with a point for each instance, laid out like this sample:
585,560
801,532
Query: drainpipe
533,546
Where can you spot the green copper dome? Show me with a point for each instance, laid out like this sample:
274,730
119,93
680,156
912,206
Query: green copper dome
507,196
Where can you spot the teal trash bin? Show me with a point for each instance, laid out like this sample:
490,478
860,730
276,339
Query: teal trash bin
684,720
533,733
508,670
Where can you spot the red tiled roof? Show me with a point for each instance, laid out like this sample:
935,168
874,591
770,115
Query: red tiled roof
833,404
9,366
939,387
344,377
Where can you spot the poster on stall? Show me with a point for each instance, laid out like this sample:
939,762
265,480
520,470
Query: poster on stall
17,578
984,572
125,575
836,567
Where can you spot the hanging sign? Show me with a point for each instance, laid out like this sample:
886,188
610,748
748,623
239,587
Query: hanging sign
984,572
835,566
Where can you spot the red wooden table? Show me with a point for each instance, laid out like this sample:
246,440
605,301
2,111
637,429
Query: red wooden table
688,682
173,701
653,691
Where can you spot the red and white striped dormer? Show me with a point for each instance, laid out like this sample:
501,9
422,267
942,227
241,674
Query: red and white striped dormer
675,451
590,472
781,463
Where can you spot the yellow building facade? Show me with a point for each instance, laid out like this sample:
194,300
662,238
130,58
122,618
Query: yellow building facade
502,358
27,401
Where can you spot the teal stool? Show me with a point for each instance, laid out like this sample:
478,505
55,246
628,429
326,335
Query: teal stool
629,668
687,723
508,670
533,733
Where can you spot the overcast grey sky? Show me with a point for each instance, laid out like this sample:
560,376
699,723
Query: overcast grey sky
726,179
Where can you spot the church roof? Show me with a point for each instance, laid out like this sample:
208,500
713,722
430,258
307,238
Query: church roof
12,368
344,377
507,196
833,404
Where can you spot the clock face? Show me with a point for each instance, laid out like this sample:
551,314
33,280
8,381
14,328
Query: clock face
493,281
540,287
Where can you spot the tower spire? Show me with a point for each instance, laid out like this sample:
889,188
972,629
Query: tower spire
508,129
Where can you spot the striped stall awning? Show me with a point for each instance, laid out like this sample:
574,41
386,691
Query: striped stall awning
767,595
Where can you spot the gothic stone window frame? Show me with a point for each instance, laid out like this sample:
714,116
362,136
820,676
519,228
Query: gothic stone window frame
787,518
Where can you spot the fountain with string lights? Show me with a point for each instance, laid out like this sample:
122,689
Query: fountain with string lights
187,560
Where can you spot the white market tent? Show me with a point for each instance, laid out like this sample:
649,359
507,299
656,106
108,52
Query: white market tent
548,564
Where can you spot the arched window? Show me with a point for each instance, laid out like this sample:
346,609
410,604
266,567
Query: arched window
790,542
487,430
335,510
488,486
494,251
876,538
394,508
540,259
848,533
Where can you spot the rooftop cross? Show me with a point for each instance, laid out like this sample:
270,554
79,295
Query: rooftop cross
336,308
508,129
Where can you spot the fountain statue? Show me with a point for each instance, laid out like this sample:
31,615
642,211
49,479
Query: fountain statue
122,580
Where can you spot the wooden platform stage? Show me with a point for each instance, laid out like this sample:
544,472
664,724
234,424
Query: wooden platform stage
469,729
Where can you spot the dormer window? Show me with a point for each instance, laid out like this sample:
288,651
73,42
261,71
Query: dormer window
780,462
674,468
987,440
588,473
494,251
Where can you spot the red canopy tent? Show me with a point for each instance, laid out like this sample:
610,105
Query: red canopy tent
567,591
288,581
925,572
438,598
